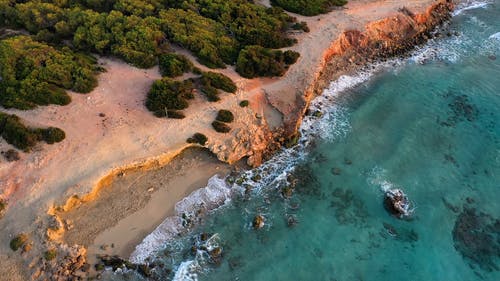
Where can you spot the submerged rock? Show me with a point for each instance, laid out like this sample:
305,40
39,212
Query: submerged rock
258,222
397,203
476,237
336,171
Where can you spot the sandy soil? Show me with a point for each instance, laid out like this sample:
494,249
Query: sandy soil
136,202
129,136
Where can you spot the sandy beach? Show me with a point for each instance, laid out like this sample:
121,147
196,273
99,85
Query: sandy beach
113,170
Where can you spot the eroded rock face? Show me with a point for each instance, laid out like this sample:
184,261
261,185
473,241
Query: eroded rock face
381,39
67,266
251,141
476,237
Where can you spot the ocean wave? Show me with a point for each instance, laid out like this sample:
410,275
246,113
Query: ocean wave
495,36
470,5
332,124
215,194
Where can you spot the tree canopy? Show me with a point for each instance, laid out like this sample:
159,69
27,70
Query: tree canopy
308,7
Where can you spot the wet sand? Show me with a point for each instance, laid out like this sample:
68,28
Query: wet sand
145,199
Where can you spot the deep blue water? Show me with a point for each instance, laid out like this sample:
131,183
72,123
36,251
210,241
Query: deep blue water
429,125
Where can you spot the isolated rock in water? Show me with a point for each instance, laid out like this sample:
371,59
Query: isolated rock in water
397,203
258,222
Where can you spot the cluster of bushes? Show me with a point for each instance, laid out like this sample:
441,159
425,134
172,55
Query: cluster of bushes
308,7
223,117
203,36
173,65
198,138
34,73
255,61
212,81
167,96
137,31
17,134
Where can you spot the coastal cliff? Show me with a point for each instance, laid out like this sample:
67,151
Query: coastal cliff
381,39
254,137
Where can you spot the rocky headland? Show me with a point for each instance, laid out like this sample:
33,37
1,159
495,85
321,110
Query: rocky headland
41,186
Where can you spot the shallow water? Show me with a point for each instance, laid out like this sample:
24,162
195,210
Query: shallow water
428,125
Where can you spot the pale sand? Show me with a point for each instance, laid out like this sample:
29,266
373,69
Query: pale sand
130,136
148,196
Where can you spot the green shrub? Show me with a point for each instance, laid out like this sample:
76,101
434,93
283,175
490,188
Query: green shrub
211,81
167,94
301,26
210,92
308,7
174,114
52,135
221,127
290,57
225,116
219,81
17,134
255,61
50,254
198,138
18,241
34,73
244,103
173,65
203,36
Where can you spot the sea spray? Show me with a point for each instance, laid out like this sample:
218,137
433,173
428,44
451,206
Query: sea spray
333,124
216,193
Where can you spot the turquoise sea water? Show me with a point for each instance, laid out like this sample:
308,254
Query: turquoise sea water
429,125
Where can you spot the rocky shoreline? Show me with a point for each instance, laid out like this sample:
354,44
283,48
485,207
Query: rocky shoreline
381,39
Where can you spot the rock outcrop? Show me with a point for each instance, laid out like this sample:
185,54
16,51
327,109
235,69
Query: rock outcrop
389,37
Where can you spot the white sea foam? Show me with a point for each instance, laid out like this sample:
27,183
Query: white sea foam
215,194
332,124
187,271
470,5
495,36
378,178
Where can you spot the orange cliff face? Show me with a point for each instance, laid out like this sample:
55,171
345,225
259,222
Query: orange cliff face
388,36
380,39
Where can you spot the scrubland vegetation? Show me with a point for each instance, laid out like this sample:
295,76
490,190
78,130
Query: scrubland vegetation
308,7
22,137
38,68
